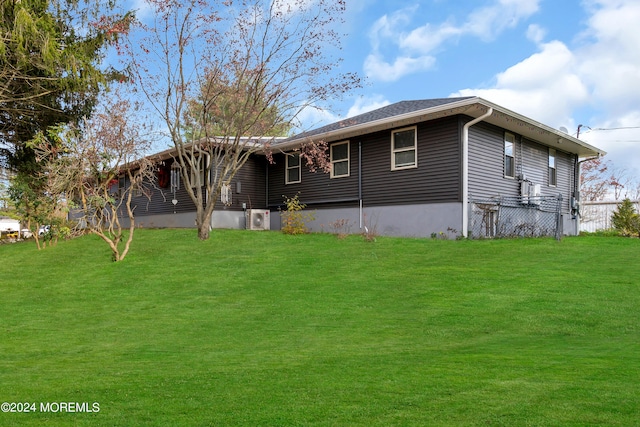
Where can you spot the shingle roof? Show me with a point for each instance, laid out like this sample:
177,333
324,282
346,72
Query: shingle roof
399,108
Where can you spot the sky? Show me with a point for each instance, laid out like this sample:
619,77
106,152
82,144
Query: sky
564,63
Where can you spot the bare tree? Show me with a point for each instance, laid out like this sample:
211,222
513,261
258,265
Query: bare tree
252,66
600,179
98,167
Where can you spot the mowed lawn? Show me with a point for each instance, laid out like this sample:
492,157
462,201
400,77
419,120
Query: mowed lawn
263,329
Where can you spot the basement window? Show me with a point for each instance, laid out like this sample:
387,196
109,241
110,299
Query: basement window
404,152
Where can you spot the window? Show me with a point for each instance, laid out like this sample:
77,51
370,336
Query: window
552,168
404,153
340,159
509,155
293,168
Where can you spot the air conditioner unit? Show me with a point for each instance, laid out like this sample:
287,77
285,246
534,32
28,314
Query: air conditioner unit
525,191
535,194
531,193
258,219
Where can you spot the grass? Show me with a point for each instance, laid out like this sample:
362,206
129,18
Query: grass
263,329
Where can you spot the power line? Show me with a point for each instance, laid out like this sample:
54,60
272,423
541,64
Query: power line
606,129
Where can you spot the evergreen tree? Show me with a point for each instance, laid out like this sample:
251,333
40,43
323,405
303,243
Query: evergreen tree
626,220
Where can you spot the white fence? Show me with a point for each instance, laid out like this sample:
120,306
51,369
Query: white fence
596,216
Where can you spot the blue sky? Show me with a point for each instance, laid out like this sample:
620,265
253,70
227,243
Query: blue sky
564,63
561,62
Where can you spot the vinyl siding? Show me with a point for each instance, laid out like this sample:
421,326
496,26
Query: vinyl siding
252,178
435,180
486,166
315,188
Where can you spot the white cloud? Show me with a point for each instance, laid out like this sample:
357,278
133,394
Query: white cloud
312,117
544,86
144,11
602,72
536,33
611,61
287,7
416,47
489,21
365,104
378,69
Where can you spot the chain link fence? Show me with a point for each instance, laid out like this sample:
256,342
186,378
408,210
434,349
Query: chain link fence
502,217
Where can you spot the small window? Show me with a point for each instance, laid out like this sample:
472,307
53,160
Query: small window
404,153
553,180
509,155
293,168
340,160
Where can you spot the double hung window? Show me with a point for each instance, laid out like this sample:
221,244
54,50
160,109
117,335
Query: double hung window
509,155
553,178
293,169
404,148
340,159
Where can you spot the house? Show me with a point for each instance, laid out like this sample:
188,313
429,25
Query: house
450,166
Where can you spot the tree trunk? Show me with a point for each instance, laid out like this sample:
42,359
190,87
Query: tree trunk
204,226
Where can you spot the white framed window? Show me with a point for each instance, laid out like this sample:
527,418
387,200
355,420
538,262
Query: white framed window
553,177
404,148
509,155
340,165
293,168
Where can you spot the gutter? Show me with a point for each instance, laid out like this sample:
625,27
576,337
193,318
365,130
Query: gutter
465,170
390,122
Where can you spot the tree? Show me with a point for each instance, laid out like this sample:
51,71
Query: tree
32,201
625,219
250,67
224,104
595,179
600,180
50,73
99,166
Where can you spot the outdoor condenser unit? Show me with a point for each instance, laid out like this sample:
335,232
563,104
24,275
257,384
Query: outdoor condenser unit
530,192
525,189
258,219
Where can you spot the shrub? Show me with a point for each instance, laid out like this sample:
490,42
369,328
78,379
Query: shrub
626,220
294,218
340,227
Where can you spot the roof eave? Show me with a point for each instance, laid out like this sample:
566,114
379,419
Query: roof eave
473,107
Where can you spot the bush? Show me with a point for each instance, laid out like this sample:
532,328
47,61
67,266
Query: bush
294,218
626,220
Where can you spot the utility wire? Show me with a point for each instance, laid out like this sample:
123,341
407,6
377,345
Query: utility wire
620,128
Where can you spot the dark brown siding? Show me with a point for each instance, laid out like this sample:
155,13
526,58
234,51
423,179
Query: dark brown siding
252,192
253,185
436,179
315,188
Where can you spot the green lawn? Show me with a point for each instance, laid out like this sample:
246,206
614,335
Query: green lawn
263,329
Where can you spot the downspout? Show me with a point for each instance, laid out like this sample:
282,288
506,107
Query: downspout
465,170
361,212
